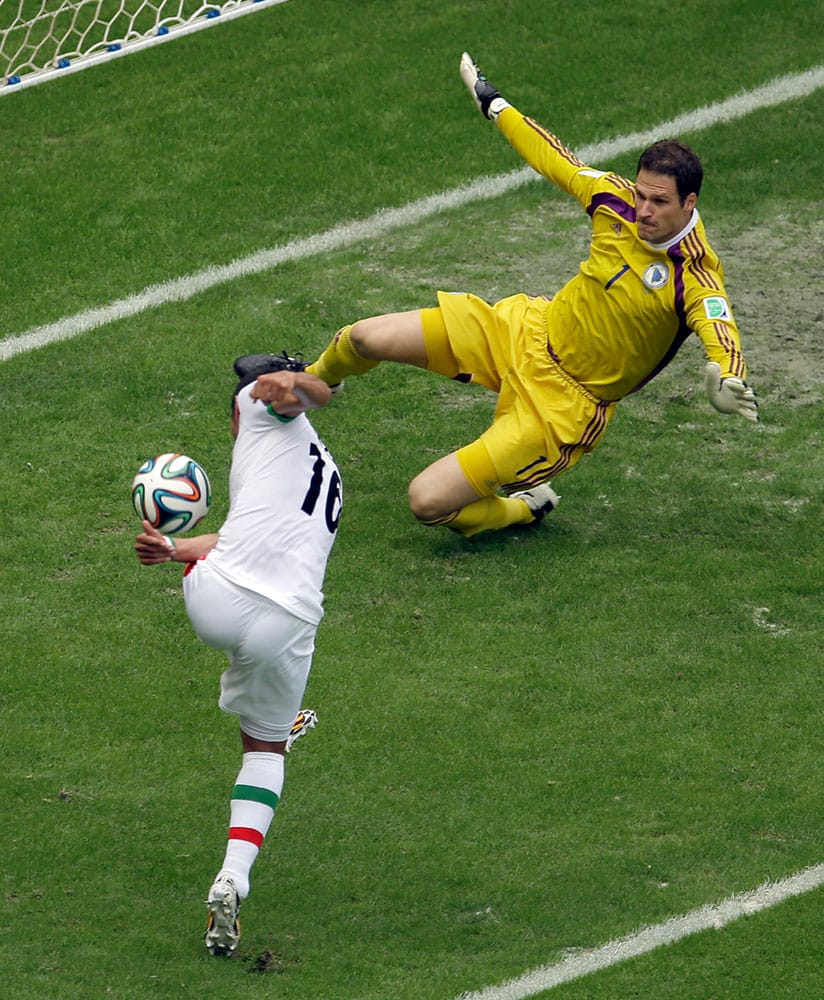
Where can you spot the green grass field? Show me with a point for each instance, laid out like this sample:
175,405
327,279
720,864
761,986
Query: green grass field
529,745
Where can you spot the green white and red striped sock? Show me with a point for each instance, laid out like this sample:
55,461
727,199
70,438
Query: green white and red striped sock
255,797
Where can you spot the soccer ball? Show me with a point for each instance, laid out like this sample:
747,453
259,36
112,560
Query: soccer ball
172,492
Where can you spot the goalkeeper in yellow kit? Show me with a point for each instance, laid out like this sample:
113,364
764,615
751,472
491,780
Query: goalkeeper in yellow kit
560,364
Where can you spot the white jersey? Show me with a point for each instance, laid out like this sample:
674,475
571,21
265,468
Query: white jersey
285,502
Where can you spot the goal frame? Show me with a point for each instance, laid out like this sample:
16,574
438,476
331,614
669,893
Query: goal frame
217,13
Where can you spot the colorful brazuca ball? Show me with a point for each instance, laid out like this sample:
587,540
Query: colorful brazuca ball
172,492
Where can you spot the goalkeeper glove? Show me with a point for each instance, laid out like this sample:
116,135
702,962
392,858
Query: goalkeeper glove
731,394
489,101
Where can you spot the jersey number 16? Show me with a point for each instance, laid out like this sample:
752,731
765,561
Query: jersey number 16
334,494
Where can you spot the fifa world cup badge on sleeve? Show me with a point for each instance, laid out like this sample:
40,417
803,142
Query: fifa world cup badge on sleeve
716,307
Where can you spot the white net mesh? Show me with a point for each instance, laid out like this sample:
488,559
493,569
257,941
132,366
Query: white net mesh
40,39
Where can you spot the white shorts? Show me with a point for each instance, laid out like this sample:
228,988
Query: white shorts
269,649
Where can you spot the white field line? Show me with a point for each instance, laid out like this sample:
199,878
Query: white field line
785,88
710,917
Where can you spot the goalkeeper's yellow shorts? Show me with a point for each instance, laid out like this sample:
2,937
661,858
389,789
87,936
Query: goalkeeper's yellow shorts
544,420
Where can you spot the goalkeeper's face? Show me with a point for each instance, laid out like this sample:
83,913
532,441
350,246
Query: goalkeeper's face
659,212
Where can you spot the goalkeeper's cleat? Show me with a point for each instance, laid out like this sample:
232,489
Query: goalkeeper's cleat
305,720
541,500
223,927
261,364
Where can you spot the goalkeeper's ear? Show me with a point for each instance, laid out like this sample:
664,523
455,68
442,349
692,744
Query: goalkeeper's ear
731,394
486,97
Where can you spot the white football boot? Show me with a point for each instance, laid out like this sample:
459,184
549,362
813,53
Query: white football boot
305,720
223,927
541,499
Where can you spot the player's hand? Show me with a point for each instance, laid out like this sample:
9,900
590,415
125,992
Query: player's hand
291,393
275,387
489,101
152,547
731,394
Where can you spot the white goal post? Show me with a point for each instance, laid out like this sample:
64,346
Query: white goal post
43,39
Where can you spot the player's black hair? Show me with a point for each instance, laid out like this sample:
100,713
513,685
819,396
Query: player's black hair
677,161
249,370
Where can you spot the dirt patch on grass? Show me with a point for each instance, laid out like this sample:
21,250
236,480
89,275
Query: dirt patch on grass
774,282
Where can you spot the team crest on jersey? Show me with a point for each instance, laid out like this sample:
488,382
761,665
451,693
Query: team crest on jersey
717,307
656,275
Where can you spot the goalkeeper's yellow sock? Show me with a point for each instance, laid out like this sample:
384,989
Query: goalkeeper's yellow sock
340,360
488,514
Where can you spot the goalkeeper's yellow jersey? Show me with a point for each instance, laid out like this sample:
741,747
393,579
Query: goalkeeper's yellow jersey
632,304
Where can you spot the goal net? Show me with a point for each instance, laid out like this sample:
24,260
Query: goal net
42,39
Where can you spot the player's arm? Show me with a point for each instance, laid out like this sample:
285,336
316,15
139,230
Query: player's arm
726,371
540,147
291,393
152,547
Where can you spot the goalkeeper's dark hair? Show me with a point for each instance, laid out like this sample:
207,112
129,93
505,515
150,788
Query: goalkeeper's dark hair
676,160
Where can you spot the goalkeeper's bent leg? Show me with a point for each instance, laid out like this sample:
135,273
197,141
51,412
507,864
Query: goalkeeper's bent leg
489,514
468,478
340,359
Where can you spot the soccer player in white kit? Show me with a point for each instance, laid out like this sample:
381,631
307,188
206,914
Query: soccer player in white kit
254,589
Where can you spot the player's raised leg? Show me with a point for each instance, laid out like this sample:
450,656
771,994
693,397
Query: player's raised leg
358,348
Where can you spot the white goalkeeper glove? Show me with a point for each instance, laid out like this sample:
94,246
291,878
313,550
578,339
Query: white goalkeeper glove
489,101
731,394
